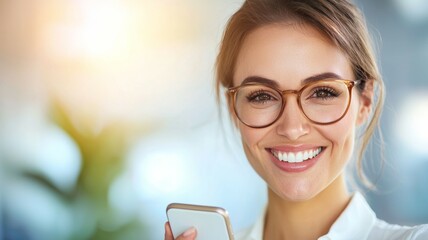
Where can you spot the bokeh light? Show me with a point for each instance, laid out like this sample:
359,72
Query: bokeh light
412,123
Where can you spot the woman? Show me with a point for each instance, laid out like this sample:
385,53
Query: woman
301,79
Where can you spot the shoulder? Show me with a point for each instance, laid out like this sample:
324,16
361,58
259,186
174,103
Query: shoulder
254,232
384,230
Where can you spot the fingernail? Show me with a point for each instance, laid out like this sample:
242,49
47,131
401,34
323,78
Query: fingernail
189,232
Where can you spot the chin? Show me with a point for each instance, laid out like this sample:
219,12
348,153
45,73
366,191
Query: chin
297,192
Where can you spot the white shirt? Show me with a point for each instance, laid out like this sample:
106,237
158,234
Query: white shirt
357,222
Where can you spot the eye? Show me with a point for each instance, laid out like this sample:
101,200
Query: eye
324,93
260,97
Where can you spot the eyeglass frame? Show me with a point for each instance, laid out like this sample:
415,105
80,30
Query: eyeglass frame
231,92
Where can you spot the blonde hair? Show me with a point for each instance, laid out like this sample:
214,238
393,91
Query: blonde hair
339,20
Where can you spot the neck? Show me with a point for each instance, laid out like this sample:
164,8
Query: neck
308,219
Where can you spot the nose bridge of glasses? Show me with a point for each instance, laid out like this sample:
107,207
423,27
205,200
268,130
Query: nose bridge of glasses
286,102
284,94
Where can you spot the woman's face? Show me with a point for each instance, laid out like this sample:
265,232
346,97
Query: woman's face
287,55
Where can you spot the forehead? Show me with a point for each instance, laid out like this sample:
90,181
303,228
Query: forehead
288,54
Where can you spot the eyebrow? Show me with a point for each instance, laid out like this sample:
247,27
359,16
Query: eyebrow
273,83
321,76
262,80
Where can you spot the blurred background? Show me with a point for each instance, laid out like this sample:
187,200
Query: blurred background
108,113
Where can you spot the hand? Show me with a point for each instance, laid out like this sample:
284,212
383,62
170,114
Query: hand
189,234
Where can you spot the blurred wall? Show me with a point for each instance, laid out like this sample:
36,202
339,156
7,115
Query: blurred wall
400,29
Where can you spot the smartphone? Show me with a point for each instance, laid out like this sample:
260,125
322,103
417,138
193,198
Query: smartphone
211,223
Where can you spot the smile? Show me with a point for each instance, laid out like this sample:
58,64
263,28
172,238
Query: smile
296,157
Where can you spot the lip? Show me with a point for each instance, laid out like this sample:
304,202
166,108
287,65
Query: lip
294,148
295,167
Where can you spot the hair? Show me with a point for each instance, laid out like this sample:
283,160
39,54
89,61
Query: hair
339,20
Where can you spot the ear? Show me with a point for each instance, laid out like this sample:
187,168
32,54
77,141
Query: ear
366,102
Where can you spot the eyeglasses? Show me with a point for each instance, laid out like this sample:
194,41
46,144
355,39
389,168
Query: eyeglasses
322,102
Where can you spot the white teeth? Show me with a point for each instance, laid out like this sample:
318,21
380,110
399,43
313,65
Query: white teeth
305,155
284,157
291,157
297,157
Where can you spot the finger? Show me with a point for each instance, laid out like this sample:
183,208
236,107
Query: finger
189,234
168,232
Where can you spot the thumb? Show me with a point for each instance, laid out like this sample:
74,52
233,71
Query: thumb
189,234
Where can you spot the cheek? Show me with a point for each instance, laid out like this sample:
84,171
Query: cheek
250,140
342,134
250,137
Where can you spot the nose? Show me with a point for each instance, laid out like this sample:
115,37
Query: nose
292,124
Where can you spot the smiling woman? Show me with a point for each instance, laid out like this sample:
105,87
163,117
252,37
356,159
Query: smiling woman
280,57
301,80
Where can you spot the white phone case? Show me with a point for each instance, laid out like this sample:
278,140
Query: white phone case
211,223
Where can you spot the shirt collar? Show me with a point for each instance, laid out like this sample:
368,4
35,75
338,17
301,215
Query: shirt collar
256,231
355,222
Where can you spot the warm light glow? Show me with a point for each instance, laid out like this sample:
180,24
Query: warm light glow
126,61
92,30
